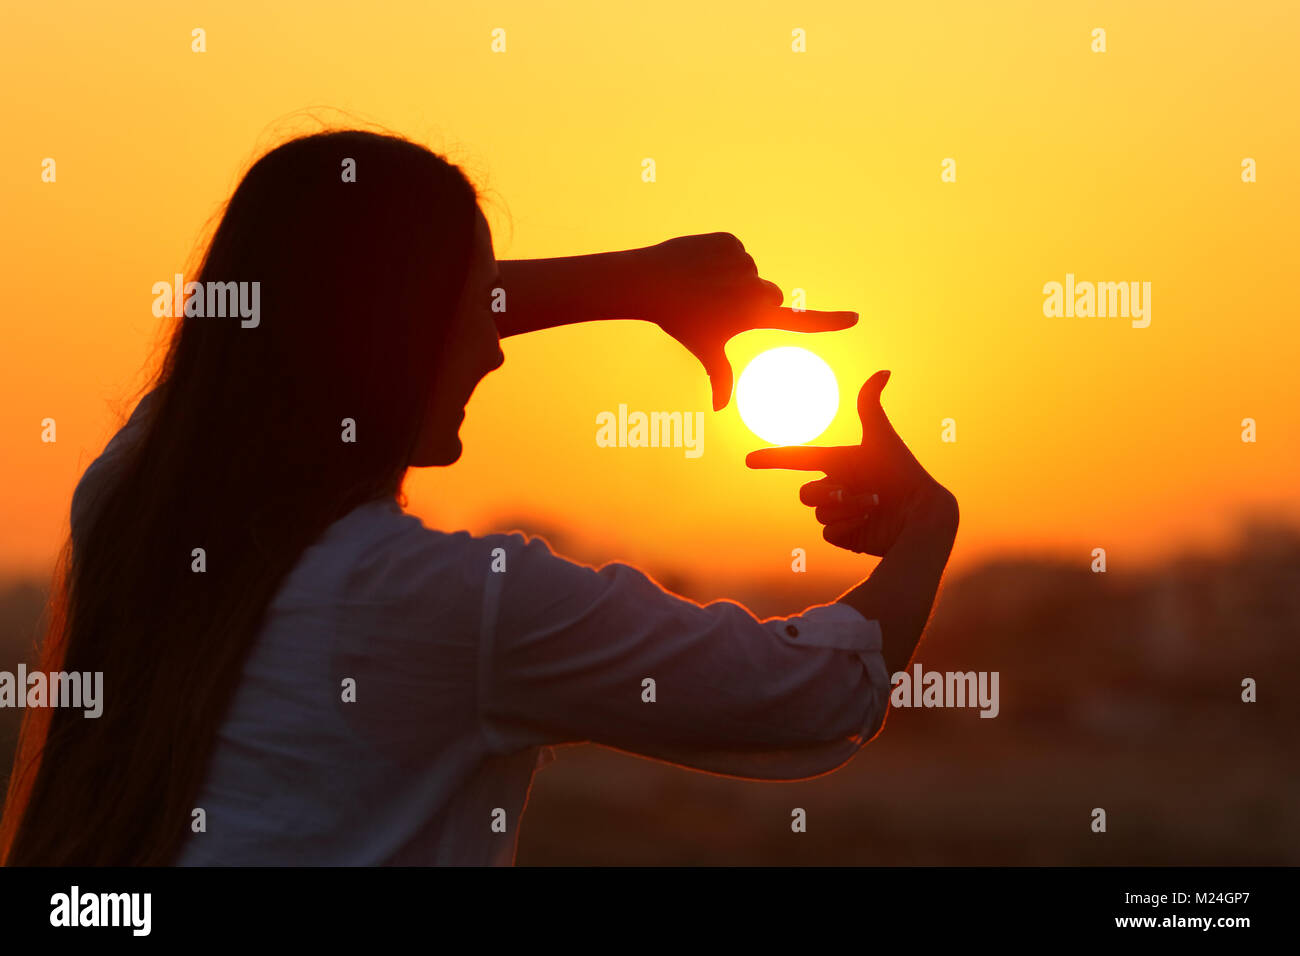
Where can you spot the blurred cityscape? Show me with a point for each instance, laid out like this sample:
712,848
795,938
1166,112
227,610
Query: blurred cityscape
1119,691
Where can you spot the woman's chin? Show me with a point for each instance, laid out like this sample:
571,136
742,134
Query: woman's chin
446,453
453,452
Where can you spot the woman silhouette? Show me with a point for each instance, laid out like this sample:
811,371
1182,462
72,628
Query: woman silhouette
298,672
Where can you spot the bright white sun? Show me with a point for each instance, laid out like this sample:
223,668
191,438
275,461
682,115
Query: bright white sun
787,396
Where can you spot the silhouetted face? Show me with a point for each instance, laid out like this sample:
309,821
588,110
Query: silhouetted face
473,349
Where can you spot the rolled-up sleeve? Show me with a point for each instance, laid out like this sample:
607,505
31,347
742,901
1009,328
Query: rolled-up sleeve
570,653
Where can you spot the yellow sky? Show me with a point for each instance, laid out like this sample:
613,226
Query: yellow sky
1072,433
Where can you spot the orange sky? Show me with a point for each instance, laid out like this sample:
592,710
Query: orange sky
1072,433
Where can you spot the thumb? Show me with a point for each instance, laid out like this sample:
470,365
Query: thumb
869,402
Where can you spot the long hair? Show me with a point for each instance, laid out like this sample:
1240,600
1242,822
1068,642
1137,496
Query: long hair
242,454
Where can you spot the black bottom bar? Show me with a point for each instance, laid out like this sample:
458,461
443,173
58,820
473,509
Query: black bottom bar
991,905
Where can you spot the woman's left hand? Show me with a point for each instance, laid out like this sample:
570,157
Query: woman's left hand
704,289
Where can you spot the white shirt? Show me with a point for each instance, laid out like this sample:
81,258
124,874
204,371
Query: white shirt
464,675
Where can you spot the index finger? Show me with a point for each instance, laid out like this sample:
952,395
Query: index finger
797,457
809,320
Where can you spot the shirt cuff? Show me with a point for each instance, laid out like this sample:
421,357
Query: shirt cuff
829,625
842,626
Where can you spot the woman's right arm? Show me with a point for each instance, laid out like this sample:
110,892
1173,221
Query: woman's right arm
877,499
570,653
900,592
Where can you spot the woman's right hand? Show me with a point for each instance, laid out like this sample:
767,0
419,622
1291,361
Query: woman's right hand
871,491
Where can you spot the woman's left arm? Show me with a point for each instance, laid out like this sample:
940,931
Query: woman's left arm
701,290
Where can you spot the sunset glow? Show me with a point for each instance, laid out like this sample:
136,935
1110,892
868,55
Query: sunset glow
829,166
